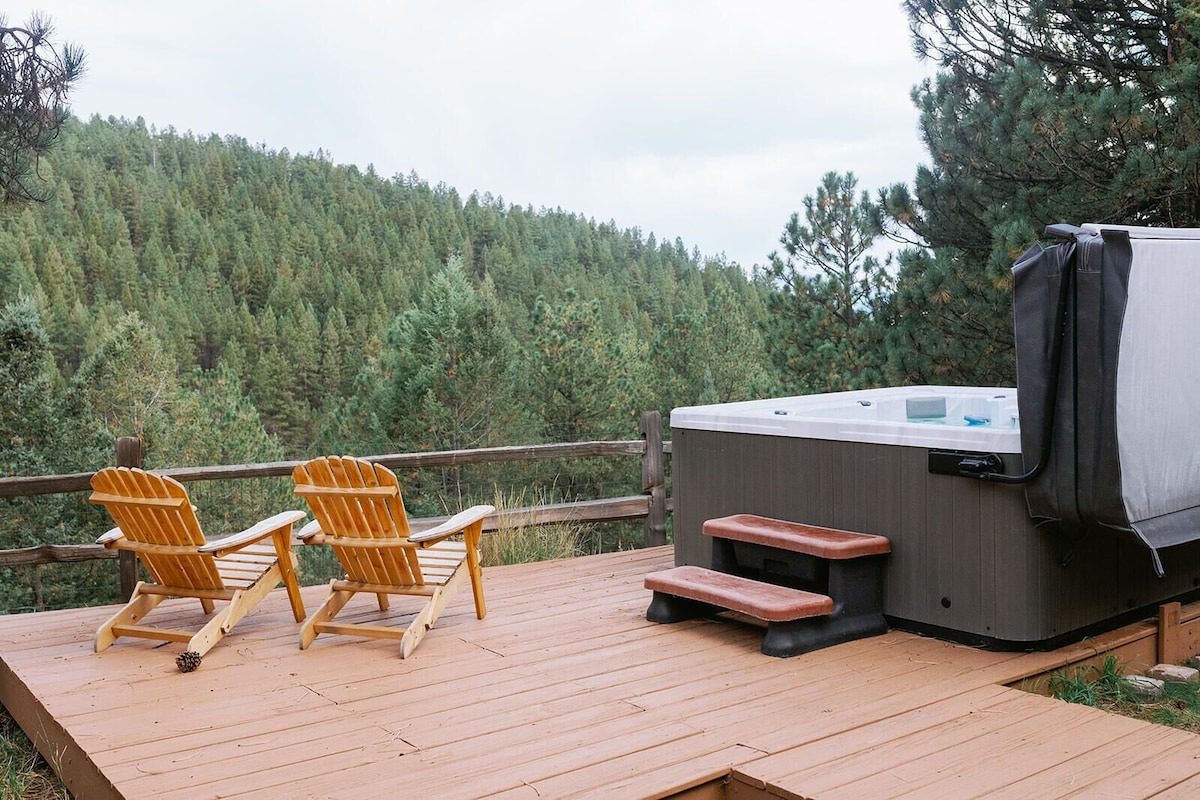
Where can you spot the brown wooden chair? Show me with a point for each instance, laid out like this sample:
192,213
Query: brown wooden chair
156,520
358,511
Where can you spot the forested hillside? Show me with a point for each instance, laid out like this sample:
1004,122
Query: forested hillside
466,321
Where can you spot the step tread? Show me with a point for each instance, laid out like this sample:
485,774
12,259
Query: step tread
763,601
813,540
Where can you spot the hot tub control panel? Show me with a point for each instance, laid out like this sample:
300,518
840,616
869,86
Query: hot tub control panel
965,464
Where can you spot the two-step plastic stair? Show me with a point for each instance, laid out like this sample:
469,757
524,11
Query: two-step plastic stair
812,586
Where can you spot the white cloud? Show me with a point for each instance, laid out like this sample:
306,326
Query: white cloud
703,120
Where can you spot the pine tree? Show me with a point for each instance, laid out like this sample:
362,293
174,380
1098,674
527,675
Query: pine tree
35,77
214,423
1040,112
28,416
304,352
585,382
578,372
827,287
335,371
128,384
737,360
447,371
276,394
35,438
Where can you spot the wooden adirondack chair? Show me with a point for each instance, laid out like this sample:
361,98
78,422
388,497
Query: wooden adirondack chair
157,521
358,510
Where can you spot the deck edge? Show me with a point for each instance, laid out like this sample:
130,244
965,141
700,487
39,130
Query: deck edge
68,760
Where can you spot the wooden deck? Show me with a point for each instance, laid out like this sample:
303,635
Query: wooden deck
564,690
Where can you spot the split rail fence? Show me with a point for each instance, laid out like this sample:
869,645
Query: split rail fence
652,504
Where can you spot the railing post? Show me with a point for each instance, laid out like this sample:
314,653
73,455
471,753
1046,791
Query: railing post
653,479
129,454
1169,649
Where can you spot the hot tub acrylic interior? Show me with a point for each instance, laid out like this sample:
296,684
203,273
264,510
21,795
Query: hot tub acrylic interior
967,562
983,418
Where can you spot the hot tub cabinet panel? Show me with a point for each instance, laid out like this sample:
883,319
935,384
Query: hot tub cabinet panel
966,559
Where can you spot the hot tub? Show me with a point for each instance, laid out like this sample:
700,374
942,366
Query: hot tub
967,562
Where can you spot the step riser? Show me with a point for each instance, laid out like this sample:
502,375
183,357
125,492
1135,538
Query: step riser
787,639
668,608
782,639
854,583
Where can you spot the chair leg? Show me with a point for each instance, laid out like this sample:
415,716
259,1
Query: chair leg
214,630
287,569
471,539
428,615
242,603
329,609
138,607
246,600
206,604
382,599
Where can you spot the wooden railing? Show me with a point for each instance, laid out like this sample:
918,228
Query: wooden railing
652,504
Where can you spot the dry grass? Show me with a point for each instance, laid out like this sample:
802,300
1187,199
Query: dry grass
514,543
23,773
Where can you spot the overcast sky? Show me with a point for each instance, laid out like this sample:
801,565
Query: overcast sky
707,121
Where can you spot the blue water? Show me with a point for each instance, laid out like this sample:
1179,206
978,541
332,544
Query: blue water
967,421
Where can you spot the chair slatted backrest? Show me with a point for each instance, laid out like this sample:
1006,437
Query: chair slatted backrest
354,499
155,510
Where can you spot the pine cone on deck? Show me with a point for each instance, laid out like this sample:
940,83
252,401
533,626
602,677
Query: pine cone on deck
187,661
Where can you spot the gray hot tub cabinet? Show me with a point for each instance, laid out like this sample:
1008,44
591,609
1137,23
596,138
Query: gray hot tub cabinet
967,562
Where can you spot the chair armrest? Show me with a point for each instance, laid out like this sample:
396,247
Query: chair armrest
308,531
110,537
456,524
253,534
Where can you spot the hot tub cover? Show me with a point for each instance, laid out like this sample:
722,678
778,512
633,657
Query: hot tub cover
1107,335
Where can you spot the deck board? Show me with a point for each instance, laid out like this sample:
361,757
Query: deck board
563,691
